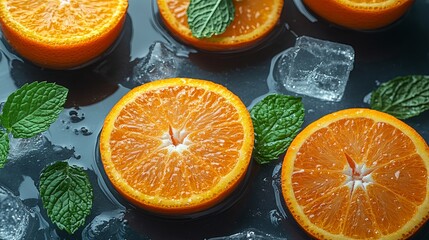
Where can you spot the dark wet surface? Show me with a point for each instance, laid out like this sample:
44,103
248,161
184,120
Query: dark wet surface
401,49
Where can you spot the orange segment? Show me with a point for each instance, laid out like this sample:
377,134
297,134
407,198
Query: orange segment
360,14
357,174
61,33
253,21
177,146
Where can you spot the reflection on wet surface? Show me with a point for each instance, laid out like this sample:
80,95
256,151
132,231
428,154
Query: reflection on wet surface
401,49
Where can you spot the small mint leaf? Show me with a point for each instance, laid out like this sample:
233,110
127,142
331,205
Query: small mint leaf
66,195
4,147
277,120
33,108
209,17
402,97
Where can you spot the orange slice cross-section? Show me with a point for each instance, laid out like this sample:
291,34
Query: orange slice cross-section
177,146
357,174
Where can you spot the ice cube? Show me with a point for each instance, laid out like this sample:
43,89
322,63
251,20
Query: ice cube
249,234
107,225
20,147
15,218
162,61
38,148
315,68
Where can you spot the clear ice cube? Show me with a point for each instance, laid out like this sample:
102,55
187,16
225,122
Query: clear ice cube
315,68
249,234
15,218
107,225
20,147
162,61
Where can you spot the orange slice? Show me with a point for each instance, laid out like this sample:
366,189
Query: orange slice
357,174
360,14
253,21
61,34
177,146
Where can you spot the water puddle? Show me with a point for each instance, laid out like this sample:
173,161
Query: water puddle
146,52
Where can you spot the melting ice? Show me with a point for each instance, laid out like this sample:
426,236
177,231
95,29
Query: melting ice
315,68
249,234
108,225
15,217
162,61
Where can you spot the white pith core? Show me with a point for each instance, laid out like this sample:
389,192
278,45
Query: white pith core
358,175
175,140
64,2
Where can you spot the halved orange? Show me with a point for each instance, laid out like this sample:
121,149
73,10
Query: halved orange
61,34
177,146
253,21
357,174
360,14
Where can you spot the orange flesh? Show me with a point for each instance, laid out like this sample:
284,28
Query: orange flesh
64,18
253,20
373,3
249,15
388,176
358,178
360,14
177,148
211,127
61,34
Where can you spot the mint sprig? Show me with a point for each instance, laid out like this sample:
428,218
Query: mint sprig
277,120
209,17
33,108
66,195
65,190
402,97
4,147
29,111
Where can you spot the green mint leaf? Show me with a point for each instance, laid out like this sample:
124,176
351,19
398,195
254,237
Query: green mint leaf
402,97
33,108
4,147
209,17
277,120
66,195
